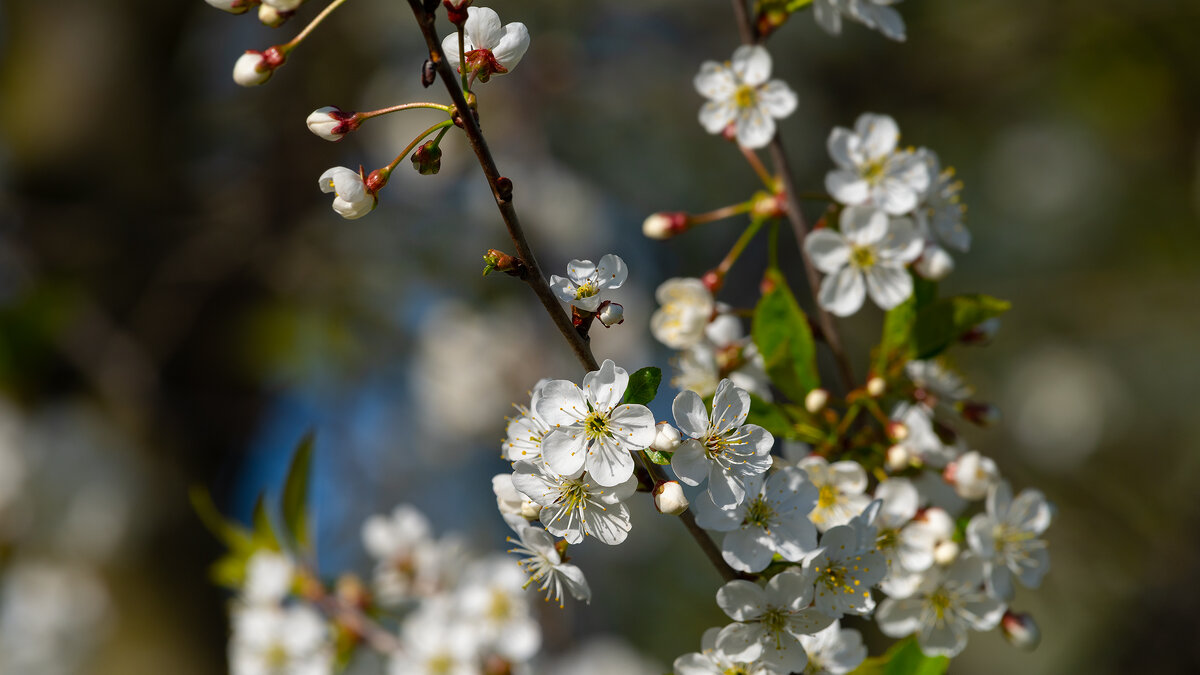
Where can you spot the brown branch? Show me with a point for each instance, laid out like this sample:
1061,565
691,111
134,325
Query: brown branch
502,193
787,183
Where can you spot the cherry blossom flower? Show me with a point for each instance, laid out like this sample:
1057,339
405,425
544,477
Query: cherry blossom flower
490,49
725,351
269,639
867,257
592,429
576,505
875,14
871,170
686,307
584,281
491,599
773,519
738,93
770,620
947,604
409,561
840,488
526,431
845,568
351,199
544,564
436,641
269,578
834,651
1008,539
720,448
940,214
710,660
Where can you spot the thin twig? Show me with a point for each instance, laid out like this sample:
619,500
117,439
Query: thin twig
502,193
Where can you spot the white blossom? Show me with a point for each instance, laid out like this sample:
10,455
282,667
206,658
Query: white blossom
845,567
710,660
922,442
720,448
526,431
738,92
592,429
268,578
576,505
773,519
834,650
874,14
544,564
973,475
867,257
686,307
584,281
1008,539
436,641
840,488
489,48
949,602
491,598
275,640
770,620
409,561
870,169
351,198
940,215
937,382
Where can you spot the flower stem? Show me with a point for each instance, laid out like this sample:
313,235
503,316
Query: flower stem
535,279
756,164
740,245
294,42
403,106
404,153
462,58
721,213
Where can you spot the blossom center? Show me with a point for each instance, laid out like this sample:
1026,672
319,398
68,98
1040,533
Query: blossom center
862,257
827,497
587,289
276,657
759,513
574,494
940,602
440,664
745,96
775,621
500,608
596,426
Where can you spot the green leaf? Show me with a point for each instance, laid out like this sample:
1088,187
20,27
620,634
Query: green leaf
942,323
231,534
657,457
294,500
264,533
780,330
896,344
904,658
643,386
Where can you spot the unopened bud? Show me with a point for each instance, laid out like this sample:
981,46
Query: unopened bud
898,458
816,400
499,261
945,552
669,498
666,437
767,206
665,225
456,10
428,73
980,414
610,313
876,386
1020,630
254,68
427,159
713,280
331,123
935,264
897,431
939,522
982,333
233,6
972,475
272,16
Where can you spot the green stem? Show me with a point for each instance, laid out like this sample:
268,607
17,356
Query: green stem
440,125
294,42
462,59
403,106
740,245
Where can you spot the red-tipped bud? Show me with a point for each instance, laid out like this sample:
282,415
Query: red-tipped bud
456,11
610,313
897,431
980,414
272,16
876,386
233,6
816,400
377,179
713,280
665,225
427,158
669,498
1020,630
331,122
982,333
499,261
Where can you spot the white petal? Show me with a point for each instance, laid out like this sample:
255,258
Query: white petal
564,451
483,27
690,414
608,463
902,243
777,99
633,425
580,271
690,463
827,16
847,186
827,250
755,128
611,272
863,225
751,64
843,147
879,135
740,642
561,404
747,549
512,46
563,288
785,655
946,639
605,387
716,115
899,617
889,286
848,476
742,600
715,81
712,517
724,488
450,48
843,293
610,525
731,405
696,664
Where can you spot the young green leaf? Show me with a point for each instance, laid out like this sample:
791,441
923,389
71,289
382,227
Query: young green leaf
294,501
663,458
897,342
781,332
904,658
643,386
231,534
942,323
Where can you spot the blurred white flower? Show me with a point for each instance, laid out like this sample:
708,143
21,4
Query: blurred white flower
545,566
867,257
1008,539
948,603
686,307
840,488
52,616
870,169
489,48
874,14
834,651
268,578
738,93
491,598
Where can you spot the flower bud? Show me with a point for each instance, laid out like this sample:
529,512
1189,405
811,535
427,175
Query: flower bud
233,6
972,475
945,552
427,159
713,280
254,68
898,458
939,521
816,400
897,431
269,15
499,261
767,206
980,414
666,437
935,264
669,498
456,10
982,333
665,225
331,123
876,386
610,313
1020,630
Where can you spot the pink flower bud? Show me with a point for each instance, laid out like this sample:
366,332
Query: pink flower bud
1020,630
666,438
610,313
669,498
897,431
665,225
816,400
331,123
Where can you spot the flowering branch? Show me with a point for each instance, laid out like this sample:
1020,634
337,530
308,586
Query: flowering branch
533,277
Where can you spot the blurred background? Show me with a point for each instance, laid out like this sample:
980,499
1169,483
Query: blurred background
178,303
